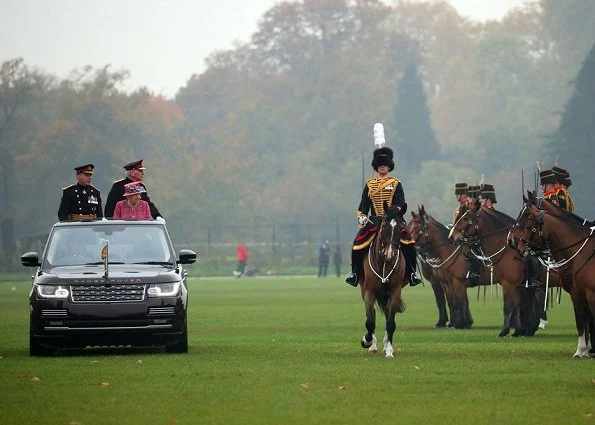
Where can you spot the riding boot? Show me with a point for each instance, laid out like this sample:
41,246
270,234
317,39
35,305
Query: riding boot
356,268
531,265
410,254
473,274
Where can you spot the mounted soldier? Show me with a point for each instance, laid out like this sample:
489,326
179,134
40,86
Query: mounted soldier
488,196
378,192
563,179
462,199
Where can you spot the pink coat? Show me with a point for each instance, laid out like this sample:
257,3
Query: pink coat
141,211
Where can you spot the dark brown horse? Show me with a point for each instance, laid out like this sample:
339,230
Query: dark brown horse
384,277
542,225
486,231
444,266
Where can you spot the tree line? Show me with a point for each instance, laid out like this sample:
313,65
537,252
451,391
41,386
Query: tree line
280,127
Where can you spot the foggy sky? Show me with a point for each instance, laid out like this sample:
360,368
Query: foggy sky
161,42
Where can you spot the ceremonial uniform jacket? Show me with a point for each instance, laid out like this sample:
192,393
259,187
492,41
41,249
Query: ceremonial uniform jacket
116,194
80,202
553,197
463,206
563,198
376,192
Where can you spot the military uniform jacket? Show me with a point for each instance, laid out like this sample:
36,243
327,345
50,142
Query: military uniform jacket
376,192
116,194
79,199
552,196
563,198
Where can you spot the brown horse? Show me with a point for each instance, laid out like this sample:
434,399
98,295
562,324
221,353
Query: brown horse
384,277
542,225
444,266
486,231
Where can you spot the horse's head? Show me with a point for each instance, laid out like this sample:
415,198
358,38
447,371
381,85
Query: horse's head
466,228
527,232
389,234
420,227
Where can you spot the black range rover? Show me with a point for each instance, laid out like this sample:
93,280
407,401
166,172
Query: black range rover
108,283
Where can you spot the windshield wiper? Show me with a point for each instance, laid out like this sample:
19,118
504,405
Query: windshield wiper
156,263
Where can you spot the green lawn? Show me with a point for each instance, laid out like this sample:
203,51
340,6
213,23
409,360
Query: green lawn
286,351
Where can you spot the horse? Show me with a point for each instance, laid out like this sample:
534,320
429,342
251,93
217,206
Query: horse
384,278
485,231
444,266
542,225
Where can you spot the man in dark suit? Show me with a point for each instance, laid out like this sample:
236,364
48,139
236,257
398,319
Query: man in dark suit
135,172
81,201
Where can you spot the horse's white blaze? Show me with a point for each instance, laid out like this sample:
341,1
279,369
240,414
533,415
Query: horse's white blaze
390,252
582,349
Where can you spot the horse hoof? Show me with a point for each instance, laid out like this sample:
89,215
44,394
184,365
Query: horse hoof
502,334
389,355
366,344
373,352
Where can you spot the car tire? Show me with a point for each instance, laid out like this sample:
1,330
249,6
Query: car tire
181,345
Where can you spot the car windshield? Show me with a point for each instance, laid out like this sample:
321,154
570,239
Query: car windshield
127,244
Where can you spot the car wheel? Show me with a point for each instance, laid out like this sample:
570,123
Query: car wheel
180,346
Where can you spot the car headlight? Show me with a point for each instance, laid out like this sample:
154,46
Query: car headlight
164,289
52,291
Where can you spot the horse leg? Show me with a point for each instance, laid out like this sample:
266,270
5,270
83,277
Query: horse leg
440,303
582,318
394,305
369,339
510,306
461,303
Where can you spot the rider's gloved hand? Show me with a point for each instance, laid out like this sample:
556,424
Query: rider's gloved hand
362,220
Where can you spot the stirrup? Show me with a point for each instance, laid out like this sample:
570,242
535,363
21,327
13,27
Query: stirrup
351,279
414,279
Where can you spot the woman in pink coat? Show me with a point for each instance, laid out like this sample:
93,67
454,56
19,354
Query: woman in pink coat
133,208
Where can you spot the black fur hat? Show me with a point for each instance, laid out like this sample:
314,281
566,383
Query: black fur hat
560,174
473,191
547,177
383,156
460,188
488,192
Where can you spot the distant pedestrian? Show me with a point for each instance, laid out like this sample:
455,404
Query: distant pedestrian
337,260
324,254
242,257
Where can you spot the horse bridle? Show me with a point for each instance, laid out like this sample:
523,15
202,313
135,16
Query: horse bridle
382,250
470,240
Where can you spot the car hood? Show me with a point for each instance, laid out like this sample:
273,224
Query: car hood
117,275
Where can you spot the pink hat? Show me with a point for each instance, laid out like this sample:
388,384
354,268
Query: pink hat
134,188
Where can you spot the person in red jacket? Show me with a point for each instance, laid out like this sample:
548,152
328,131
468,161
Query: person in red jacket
242,257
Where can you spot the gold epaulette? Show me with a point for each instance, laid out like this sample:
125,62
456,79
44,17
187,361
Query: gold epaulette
118,181
68,187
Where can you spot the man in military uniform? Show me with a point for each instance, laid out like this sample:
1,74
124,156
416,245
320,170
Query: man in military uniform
472,193
462,199
135,172
563,178
81,201
550,187
488,196
384,188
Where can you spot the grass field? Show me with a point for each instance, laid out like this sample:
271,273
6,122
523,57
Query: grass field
286,351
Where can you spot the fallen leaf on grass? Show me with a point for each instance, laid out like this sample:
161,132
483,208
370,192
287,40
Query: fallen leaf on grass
172,422
139,361
26,376
342,388
593,380
94,361
588,415
104,384
35,379
75,423
416,367
305,386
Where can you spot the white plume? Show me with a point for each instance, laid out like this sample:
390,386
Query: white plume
379,140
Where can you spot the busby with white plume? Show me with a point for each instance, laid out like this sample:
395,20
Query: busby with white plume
383,155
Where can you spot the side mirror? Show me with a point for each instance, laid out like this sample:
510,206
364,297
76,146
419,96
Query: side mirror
30,259
187,256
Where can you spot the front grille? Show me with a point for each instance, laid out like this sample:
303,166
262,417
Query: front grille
50,314
107,293
162,311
